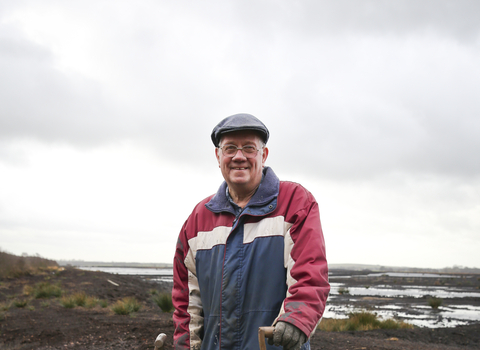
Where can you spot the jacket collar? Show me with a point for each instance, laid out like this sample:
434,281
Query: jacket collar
266,194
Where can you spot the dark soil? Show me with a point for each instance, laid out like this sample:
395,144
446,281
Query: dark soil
46,324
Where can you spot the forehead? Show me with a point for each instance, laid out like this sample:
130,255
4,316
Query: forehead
240,137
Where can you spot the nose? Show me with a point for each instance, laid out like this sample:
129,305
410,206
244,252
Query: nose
242,156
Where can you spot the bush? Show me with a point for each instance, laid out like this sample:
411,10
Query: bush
126,306
342,291
434,302
164,301
360,321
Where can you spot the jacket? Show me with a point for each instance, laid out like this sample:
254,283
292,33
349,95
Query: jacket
235,274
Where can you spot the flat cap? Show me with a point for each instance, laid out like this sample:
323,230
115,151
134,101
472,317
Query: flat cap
239,122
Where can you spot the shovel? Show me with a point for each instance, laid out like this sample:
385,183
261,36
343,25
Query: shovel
264,332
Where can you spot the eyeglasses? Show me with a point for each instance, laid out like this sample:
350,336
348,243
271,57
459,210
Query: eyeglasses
247,151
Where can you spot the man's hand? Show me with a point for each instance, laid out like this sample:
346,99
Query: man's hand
288,336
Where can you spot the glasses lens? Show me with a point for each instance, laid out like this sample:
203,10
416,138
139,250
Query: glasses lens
231,150
249,150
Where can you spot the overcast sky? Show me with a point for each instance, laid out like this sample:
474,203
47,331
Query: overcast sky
106,110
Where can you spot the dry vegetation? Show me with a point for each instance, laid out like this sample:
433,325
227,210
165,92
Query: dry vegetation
12,266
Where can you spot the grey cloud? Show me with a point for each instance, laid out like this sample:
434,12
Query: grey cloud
457,19
338,110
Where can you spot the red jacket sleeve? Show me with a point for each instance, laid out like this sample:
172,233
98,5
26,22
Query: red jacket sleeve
187,317
305,259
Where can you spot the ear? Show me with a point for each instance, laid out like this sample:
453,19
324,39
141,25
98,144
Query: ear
264,155
217,154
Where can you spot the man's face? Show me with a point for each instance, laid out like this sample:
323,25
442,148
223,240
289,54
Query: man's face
242,174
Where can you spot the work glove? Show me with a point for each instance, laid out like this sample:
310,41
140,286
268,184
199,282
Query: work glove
288,336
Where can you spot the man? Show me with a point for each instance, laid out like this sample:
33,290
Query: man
251,255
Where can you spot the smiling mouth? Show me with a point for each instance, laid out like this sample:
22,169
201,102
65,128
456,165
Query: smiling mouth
239,168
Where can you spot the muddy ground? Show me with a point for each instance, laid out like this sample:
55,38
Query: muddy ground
45,324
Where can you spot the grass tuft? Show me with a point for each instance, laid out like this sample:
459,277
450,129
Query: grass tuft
360,321
79,298
4,306
342,291
126,306
91,302
67,302
20,303
43,290
164,301
434,302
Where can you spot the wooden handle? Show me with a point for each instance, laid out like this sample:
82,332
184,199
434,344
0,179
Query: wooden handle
264,332
160,341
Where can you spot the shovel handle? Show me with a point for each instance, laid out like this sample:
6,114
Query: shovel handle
160,341
264,332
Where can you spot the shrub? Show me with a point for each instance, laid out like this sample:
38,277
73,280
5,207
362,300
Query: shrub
126,306
360,321
164,301
103,303
434,302
342,291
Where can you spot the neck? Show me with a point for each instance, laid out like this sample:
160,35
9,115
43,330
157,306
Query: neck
241,198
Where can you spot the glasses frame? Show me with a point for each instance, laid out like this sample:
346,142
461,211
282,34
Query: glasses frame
248,155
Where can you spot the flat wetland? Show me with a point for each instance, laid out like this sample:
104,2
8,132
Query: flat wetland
27,322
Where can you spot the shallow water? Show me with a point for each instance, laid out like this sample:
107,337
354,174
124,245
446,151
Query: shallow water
393,305
161,272
388,291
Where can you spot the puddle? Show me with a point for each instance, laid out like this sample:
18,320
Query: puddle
424,317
